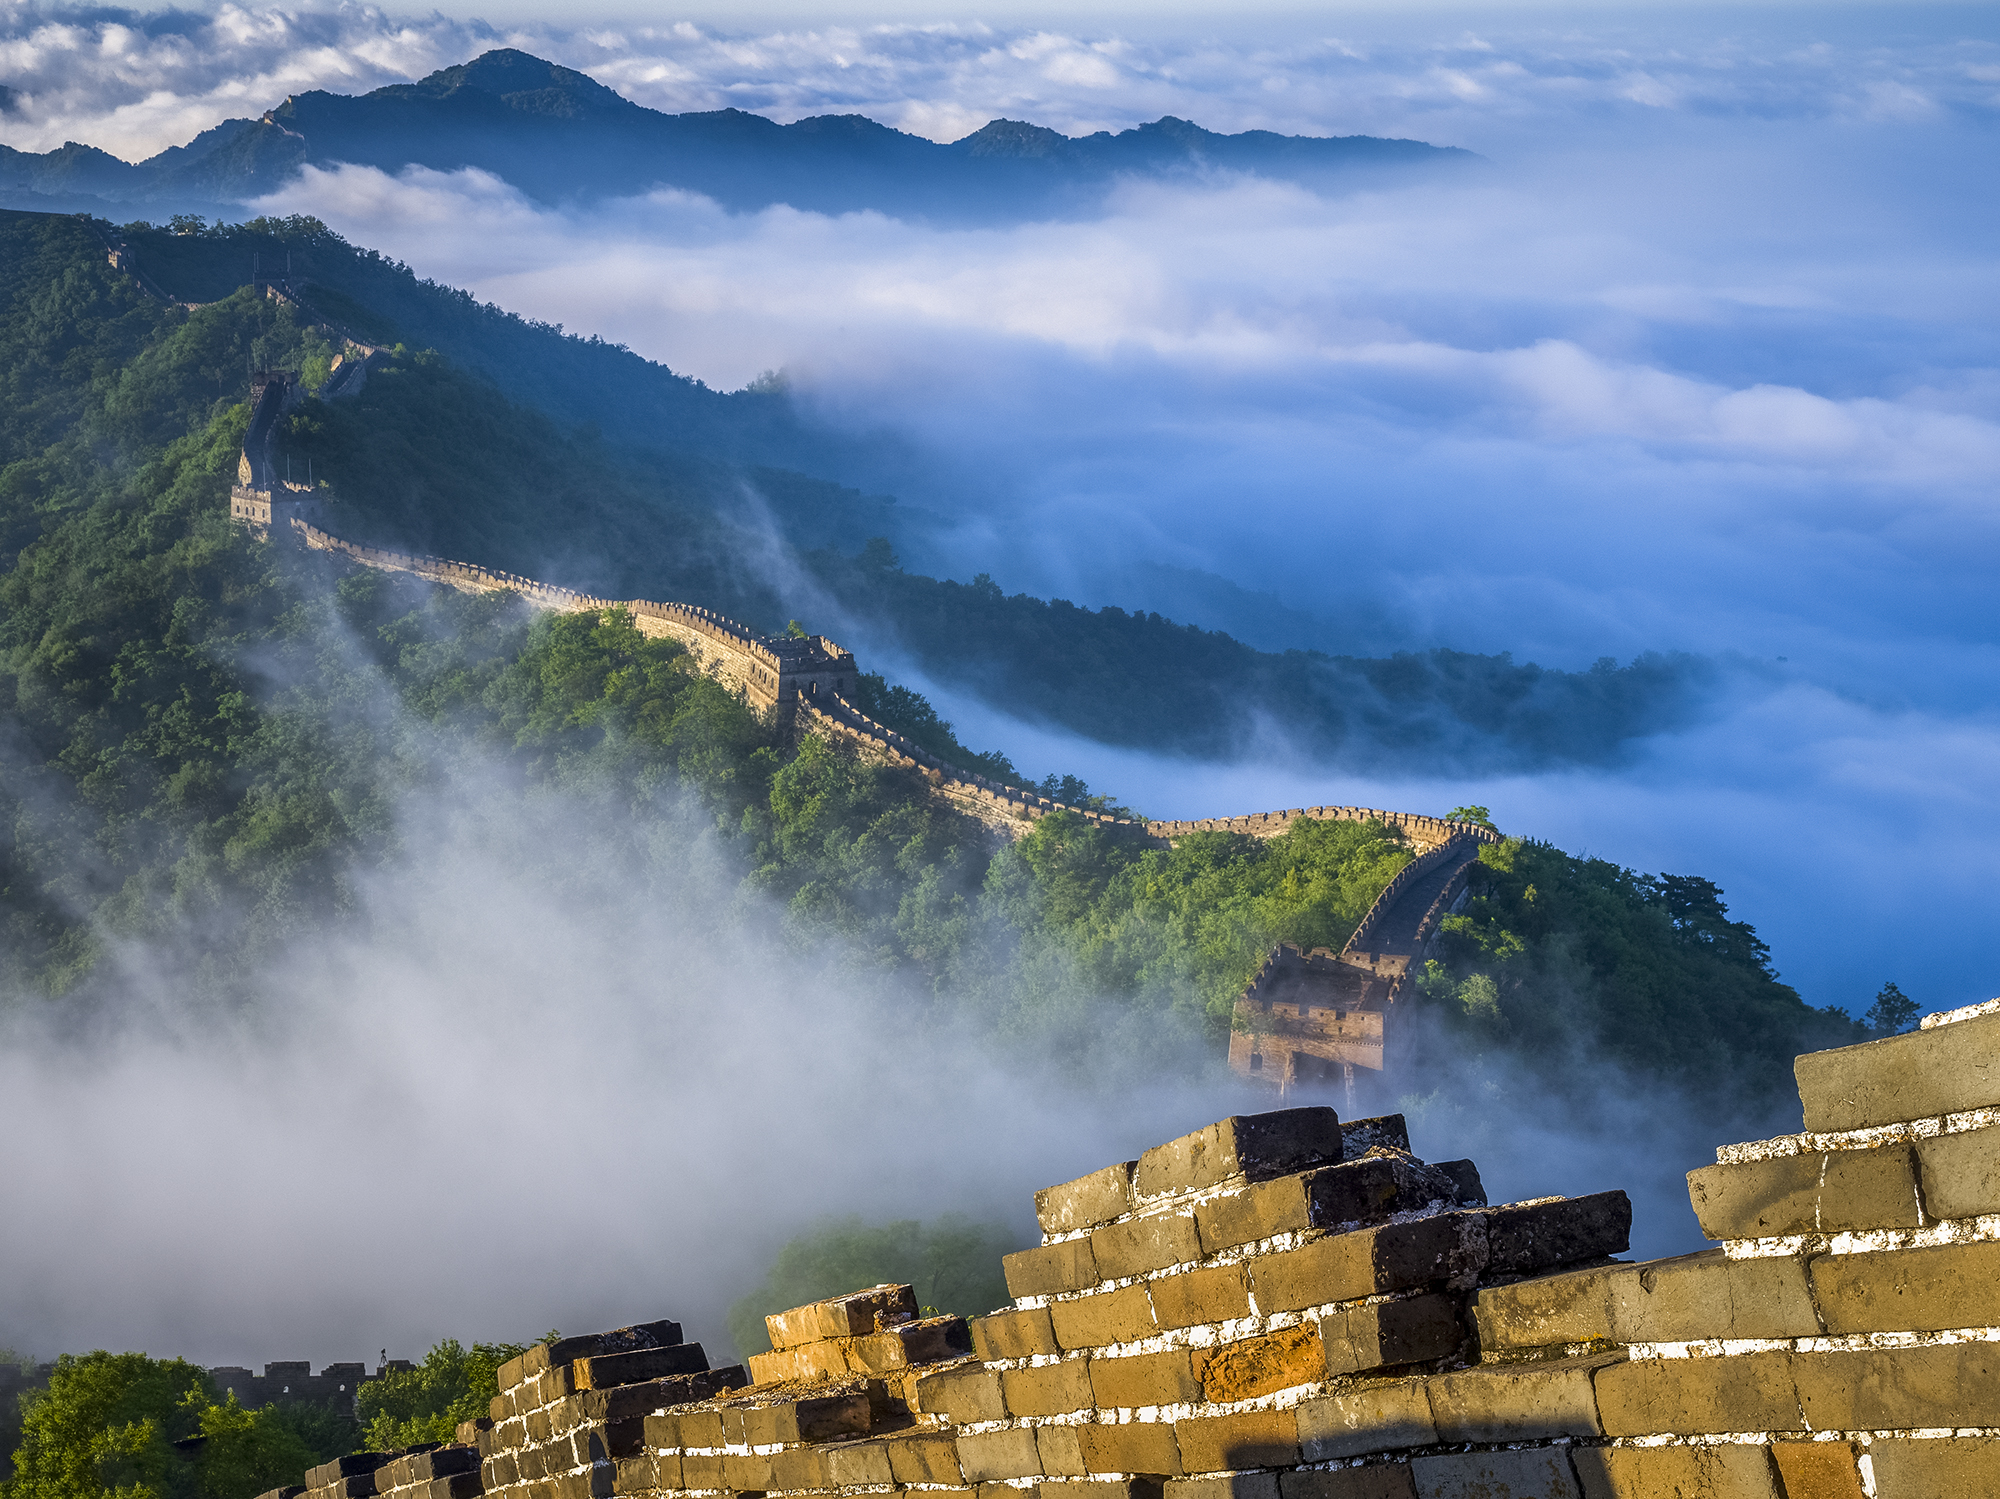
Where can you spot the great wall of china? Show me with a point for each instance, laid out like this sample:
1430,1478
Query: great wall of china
1289,1306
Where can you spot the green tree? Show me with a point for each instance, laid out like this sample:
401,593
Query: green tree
426,1404
245,1453
105,1428
952,1263
1478,815
1892,1013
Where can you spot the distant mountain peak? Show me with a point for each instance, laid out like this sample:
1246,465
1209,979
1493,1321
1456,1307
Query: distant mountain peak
1013,138
528,83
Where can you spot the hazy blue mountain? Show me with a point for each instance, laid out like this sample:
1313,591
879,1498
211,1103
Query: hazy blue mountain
558,135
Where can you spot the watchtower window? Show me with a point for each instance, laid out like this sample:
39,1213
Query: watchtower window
1256,1061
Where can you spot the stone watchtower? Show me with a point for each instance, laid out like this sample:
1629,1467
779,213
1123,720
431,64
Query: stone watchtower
261,497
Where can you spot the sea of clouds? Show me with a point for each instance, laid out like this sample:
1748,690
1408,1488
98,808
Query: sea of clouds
1703,359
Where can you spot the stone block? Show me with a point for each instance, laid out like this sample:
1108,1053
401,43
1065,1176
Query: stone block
1224,1486
1709,1295
500,1408
924,1459
1718,1472
747,1471
1843,1189
1140,1246
851,1316
1530,1237
1263,1365
1243,1439
545,1356
1690,1396
799,1468
1051,1269
602,1371
987,1456
498,1471
908,1345
1386,1333
637,1475
1918,1076
1574,1307
1139,1486
817,1418
1525,1402
1010,1335
512,1372
853,1465
1817,1470
1465,1183
1371,1262
1384,1131
1120,1316
1941,1468
691,1429
1376,1481
1886,1389
533,1463
1254,1147
963,1395
1536,1473
1961,1173
1358,1419
621,1401
1047,1389
616,1439
454,1486
1910,1290
1134,1447
1361,1191
1145,1379
1061,1451
1006,1491
1087,1201
704,1470
1218,1294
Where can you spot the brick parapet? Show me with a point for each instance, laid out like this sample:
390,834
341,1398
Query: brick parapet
1292,1306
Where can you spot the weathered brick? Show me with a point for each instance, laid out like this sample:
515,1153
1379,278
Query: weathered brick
1883,1389
688,1429
1376,1481
1119,1316
1362,1191
669,1471
1047,1389
1243,1439
1574,1307
1817,1470
1263,1365
500,1407
1255,1147
1917,1076
858,1465
1359,1136
851,1316
1139,1486
1390,1332
1466,1186
989,1455
1709,1295
817,1418
1961,1173
635,1475
799,1468
1006,1335
540,1425
1718,1472
1523,1402
1356,1420
512,1372
907,1345
924,1459
454,1486
1145,1380
1525,1238
607,1369
1910,1290
532,1463
1218,1294
704,1470
963,1395
1843,1189
1542,1472
808,1361
1134,1447
1943,1468
1050,1269
498,1470
624,1438
1746,1392
1061,1451
1087,1201
747,1470
1371,1261
1224,1486
1142,1245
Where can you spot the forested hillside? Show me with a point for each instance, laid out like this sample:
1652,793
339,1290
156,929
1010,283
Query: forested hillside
207,737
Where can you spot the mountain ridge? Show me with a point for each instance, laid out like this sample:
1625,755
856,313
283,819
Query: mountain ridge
559,135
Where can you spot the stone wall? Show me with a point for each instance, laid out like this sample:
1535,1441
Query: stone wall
1289,1306
294,1381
